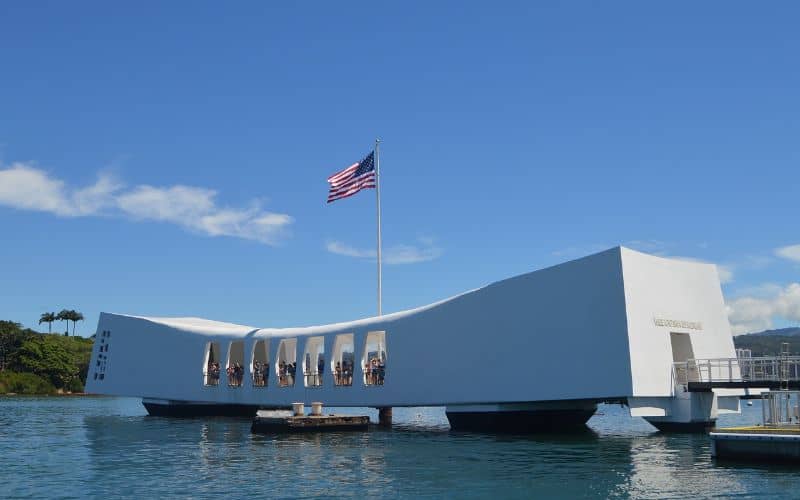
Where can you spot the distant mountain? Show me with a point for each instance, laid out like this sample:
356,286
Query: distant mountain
769,342
780,332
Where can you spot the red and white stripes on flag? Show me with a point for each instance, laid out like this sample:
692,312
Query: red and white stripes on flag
353,179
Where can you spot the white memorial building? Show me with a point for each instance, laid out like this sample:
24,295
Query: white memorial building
528,353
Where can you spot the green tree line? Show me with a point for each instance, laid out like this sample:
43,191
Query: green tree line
37,363
64,315
767,345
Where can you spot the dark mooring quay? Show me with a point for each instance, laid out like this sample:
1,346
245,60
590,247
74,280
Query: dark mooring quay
298,421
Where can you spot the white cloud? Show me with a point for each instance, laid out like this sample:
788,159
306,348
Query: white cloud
792,252
340,248
171,204
749,314
397,254
93,199
25,187
410,254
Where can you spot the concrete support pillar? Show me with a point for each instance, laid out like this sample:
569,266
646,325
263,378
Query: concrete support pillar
385,416
686,412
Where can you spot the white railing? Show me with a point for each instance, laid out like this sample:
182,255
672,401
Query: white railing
762,369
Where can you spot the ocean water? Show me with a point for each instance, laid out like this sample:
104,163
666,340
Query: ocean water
77,447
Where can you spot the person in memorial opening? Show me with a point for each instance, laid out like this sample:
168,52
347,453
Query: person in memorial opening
265,372
337,373
368,373
374,371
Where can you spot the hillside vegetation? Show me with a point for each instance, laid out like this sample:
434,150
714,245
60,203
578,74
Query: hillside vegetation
767,345
37,363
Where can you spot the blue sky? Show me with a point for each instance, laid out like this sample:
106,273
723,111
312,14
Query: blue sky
170,159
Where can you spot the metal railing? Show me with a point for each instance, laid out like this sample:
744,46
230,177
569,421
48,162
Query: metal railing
313,379
285,379
260,378
211,378
343,377
374,375
761,369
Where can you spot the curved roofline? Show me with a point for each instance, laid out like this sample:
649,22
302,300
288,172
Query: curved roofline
206,326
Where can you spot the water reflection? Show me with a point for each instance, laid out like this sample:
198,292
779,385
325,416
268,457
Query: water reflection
419,454
107,448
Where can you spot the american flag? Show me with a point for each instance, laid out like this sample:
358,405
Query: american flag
353,179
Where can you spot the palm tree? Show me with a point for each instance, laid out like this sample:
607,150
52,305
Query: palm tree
48,318
64,315
75,317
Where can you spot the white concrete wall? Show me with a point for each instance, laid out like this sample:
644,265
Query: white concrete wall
677,291
555,334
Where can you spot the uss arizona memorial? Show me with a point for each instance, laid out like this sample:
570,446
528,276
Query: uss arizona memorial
542,348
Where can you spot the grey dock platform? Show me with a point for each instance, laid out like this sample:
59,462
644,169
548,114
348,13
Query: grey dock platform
774,443
309,423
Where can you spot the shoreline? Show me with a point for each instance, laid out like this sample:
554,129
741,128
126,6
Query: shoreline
56,395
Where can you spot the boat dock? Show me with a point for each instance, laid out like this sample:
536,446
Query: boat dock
280,422
777,439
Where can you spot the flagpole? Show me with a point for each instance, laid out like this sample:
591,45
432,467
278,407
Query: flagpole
378,196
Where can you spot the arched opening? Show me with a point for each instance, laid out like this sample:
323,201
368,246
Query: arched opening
259,363
235,365
314,361
211,364
373,361
286,362
343,361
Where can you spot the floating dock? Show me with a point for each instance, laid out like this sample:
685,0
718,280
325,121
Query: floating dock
777,439
779,443
284,421
310,423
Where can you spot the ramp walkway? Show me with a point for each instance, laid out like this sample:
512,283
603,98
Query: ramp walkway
769,372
